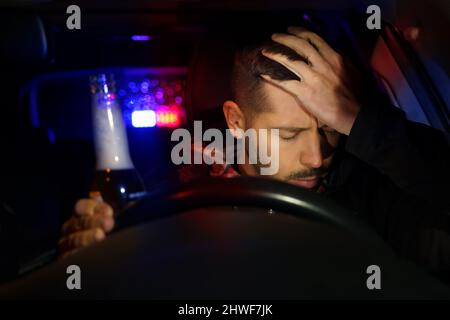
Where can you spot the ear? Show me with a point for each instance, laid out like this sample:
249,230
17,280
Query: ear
234,116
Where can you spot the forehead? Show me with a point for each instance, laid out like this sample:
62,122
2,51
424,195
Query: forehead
284,110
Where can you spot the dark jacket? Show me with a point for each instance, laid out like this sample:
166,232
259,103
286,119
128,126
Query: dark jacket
395,174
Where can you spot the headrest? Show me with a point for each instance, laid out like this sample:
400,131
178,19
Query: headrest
208,84
22,39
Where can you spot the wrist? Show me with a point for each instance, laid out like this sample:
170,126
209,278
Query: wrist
348,120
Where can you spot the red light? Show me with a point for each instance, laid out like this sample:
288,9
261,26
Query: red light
168,117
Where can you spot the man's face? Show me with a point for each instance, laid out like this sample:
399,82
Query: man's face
306,147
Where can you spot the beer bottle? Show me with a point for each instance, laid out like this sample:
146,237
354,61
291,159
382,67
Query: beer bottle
116,181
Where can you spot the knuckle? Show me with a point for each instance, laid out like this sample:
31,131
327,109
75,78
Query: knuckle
103,208
79,205
82,206
315,77
311,35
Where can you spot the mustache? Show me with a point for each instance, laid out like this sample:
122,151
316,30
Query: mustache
306,173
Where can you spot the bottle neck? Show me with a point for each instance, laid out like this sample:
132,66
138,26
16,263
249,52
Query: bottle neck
110,139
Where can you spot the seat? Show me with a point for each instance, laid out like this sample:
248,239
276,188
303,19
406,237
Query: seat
208,84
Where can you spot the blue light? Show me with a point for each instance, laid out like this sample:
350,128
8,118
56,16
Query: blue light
141,37
144,87
143,118
131,85
51,135
306,17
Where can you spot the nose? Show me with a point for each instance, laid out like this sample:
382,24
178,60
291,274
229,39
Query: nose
311,155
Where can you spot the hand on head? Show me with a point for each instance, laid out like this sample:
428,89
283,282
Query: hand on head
325,85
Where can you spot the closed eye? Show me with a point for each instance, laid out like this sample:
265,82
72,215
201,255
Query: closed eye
289,133
290,137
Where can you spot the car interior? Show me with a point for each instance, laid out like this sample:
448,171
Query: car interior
191,241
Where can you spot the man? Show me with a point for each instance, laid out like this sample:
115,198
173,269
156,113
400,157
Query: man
362,154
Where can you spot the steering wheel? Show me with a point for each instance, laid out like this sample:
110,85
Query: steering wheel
267,193
235,238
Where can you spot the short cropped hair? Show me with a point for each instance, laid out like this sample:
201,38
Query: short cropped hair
249,64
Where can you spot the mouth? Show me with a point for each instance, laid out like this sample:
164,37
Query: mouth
308,182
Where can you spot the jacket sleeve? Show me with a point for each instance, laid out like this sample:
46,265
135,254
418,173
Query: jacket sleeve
414,156
409,202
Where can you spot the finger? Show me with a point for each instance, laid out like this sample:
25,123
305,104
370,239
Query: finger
91,206
103,221
295,88
80,239
85,206
299,68
322,47
304,49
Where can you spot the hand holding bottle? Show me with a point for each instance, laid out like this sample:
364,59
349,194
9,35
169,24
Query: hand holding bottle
91,221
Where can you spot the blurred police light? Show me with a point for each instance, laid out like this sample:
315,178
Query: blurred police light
141,37
143,118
